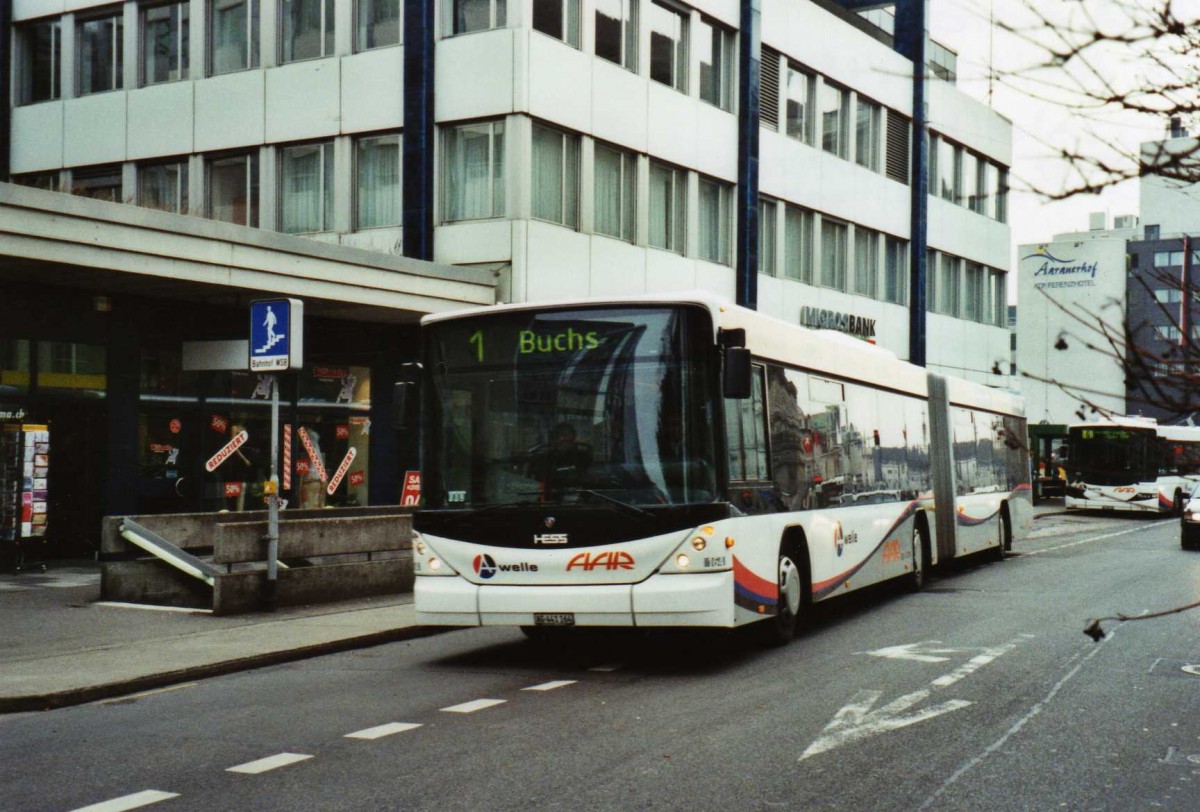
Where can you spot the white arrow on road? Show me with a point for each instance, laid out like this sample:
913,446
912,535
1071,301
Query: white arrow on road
915,651
856,720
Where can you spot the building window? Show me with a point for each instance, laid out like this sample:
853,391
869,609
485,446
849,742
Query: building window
949,171
616,190
999,295
306,188
931,287
232,35
898,130
476,15
49,181
715,220
376,23
1168,295
41,57
974,303
766,236
970,181
1168,333
895,270
377,181
801,101
714,45
100,53
617,31
987,184
1168,259
798,244
164,43
867,134
866,261
668,46
834,104
163,186
948,285
233,189
834,238
474,171
1002,199
305,29
768,96
98,183
668,211
558,19
555,176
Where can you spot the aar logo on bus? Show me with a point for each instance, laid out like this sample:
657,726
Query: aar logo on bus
485,566
839,540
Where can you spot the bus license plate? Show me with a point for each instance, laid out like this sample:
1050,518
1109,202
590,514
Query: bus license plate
554,619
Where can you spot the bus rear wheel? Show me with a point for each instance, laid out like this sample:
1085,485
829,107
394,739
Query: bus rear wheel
1005,540
916,581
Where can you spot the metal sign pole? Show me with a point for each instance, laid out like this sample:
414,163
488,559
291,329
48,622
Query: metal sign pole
273,499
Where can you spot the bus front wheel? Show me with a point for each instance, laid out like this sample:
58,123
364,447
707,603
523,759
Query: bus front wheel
781,628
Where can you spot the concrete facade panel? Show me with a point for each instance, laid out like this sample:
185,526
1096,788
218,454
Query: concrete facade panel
616,268
31,9
37,137
372,91
959,231
667,271
230,111
716,152
556,262
671,127
619,106
465,243
303,100
94,128
474,76
161,120
560,86
967,121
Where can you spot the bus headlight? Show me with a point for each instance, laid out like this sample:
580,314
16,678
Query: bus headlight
419,547
682,561
698,544
435,564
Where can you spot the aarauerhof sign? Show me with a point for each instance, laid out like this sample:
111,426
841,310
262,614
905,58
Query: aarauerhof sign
835,320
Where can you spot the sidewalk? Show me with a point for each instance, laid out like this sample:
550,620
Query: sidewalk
60,646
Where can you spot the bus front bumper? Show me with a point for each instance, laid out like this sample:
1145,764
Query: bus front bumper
694,599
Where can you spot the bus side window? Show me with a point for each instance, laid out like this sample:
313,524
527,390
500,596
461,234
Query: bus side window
746,429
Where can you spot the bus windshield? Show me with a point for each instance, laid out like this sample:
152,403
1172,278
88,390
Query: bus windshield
1113,455
603,404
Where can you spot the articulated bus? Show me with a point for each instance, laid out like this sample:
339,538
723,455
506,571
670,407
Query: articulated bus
1131,464
678,461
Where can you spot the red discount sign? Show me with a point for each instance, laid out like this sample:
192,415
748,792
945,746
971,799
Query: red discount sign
411,495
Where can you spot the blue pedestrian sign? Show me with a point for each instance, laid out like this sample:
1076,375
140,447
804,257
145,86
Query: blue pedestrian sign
276,335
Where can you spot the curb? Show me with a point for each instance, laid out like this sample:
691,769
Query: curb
93,693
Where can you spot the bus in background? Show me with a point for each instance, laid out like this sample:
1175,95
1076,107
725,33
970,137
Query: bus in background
678,461
1131,464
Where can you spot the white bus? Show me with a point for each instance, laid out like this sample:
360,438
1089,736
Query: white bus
679,461
1131,464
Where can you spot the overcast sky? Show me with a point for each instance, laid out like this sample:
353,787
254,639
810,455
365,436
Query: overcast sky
964,26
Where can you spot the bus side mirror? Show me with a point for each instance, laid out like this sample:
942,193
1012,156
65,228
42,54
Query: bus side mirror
736,380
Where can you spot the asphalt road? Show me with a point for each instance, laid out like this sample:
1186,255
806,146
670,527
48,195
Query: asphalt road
980,693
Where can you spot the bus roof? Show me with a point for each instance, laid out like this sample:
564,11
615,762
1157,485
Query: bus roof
824,351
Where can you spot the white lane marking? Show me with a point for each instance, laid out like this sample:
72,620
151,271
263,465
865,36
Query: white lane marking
142,695
1098,538
269,763
1016,728
382,730
550,686
474,705
607,667
152,608
137,799
856,720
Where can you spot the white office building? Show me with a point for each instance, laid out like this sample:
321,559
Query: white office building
431,154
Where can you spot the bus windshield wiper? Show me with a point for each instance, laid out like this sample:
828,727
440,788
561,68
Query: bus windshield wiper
634,509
